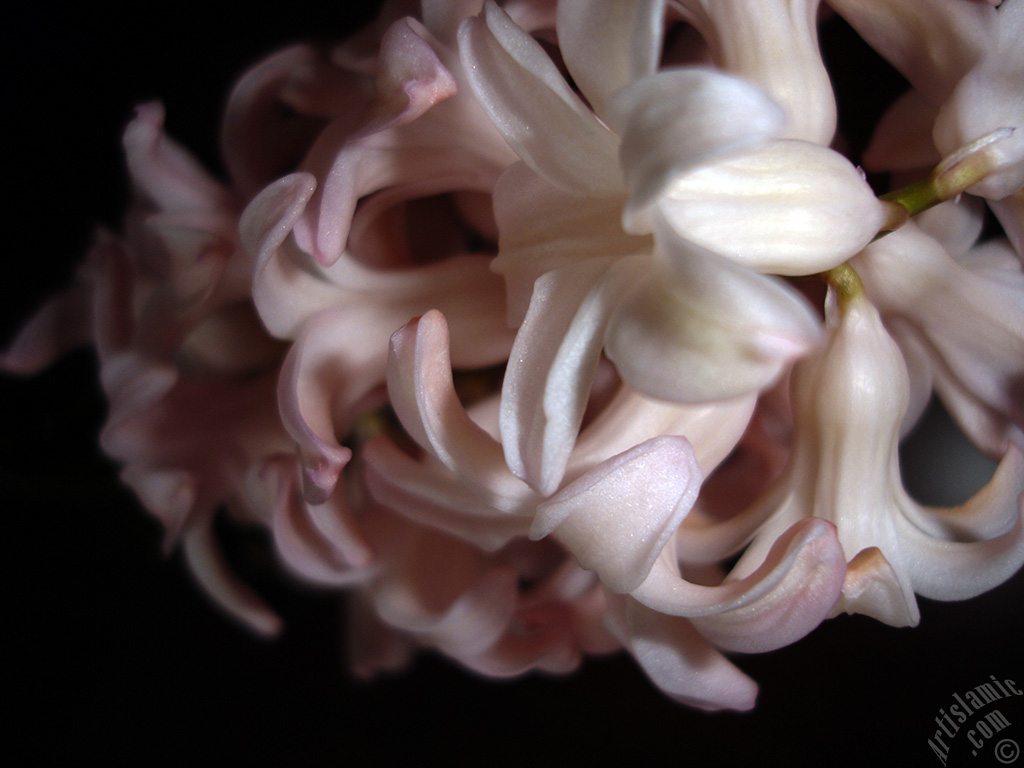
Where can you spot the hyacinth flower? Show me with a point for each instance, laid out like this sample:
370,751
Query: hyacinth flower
338,282
617,517
189,413
592,221
509,327
850,399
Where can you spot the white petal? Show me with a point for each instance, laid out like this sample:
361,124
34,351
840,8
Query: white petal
773,43
944,570
986,100
673,122
702,328
911,276
785,207
552,364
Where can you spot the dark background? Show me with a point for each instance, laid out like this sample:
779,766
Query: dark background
116,654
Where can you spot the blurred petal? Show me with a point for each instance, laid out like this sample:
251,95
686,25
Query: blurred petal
680,662
608,45
212,572
902,139
933,43
165,173
673,122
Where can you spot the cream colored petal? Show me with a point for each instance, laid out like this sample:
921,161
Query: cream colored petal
784,207
607,44
675,121
702,328
774,44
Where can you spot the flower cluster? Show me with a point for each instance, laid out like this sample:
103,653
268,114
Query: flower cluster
547,329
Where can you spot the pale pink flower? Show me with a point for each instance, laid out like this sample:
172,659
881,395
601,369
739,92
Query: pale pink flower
316,346
617,514
338,282
849,402
187,369
687,150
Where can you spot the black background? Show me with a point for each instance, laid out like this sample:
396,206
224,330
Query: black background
117,656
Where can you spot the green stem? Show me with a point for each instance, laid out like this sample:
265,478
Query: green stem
845,281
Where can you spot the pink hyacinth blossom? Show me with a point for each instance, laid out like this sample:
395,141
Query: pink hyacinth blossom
547,329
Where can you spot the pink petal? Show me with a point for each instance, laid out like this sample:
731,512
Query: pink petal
213,573
276,110
447,595
534,109
328,370
619,516
318,542
788,595
423,396
431,495
411,78
60,325
680,662
164,172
